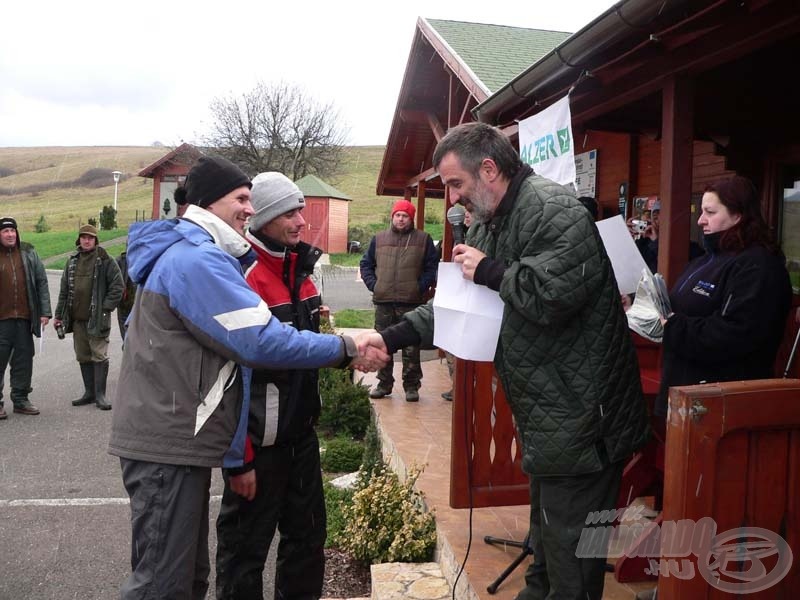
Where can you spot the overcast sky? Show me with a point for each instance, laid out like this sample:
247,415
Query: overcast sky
131,73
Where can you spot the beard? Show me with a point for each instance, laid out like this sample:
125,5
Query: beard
481,204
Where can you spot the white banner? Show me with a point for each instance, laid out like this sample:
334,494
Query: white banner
545,143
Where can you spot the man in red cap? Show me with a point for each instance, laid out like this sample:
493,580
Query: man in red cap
398,268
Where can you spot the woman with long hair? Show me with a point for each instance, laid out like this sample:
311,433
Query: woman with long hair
730,305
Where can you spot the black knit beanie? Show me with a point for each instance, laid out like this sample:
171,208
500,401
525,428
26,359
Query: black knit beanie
9,222
211,178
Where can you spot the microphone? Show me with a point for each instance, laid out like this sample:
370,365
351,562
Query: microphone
455,216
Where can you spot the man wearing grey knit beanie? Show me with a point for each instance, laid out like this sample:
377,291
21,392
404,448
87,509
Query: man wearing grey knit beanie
284,407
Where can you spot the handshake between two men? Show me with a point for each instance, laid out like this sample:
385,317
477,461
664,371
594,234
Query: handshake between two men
375,349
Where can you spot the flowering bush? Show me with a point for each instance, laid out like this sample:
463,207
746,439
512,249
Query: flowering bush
387,521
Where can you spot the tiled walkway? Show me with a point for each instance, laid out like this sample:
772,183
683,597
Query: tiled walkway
419,433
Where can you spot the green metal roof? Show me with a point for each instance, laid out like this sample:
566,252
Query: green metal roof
313,186
497,53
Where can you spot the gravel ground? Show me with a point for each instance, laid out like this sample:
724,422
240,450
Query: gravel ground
344,577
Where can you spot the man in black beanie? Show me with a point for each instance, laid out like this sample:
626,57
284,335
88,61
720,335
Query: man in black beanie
195,332
210,184
24,311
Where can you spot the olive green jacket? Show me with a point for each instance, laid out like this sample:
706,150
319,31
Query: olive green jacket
565,355
106,293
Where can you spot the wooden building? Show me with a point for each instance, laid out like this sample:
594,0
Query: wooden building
167,173
671,95
326,213
452,67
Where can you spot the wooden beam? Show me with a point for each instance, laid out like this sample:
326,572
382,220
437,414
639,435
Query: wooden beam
424,176
677,141
464,110
421,206
447,235
422,117
436,127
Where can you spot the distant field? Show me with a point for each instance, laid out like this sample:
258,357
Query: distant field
65,208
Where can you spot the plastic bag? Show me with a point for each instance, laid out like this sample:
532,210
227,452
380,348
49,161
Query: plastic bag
649,307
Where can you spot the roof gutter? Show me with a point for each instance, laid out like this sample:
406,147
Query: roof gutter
567,61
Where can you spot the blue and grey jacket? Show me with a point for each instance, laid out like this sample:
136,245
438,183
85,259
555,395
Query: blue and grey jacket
195,332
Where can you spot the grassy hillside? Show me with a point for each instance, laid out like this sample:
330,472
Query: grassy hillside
44,183
67,204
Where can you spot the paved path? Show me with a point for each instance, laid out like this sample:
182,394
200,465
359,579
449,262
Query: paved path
64,514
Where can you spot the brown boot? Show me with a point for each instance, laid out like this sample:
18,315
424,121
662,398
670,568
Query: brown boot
25,408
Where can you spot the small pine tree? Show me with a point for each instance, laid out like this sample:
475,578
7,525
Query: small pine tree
41,225
108,218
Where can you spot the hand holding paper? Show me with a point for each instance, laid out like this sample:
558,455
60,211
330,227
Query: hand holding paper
468,257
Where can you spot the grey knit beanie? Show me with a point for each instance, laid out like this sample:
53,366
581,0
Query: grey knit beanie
272,195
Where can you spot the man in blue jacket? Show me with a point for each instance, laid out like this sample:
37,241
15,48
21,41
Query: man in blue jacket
194,334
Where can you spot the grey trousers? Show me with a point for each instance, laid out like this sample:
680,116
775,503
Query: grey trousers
169,531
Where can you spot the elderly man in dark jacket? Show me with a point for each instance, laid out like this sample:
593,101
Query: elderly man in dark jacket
565,356
24,311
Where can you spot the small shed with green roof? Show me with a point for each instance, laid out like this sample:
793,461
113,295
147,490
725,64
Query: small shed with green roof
326,214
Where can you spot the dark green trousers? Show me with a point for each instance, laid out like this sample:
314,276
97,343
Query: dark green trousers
17,348
559,507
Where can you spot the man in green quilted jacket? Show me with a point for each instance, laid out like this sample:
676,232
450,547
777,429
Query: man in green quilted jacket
565,356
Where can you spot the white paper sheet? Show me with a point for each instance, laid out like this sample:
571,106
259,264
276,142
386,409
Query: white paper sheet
626,260
467,316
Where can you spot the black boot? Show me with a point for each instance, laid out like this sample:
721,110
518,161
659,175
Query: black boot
100,377
87,372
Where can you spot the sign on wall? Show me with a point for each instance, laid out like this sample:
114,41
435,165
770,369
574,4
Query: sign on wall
545,143
586,173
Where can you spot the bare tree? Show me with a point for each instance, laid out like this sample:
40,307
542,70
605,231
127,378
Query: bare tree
278,127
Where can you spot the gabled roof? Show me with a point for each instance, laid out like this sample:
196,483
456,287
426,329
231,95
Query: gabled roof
184,154
496,53
452,67
313,186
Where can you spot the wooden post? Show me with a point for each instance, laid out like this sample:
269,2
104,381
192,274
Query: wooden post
677,140
421,205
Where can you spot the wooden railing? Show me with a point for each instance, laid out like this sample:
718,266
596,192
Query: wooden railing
486,458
